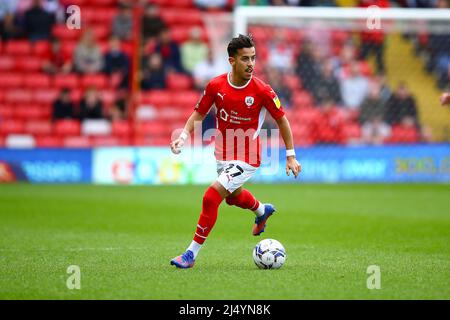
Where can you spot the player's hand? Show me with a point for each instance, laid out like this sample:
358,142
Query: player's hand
176,145
293,165
445,98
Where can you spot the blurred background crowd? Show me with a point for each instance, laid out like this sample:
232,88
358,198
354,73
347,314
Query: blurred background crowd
135,70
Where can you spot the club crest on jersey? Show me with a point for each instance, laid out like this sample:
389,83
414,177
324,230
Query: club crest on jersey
249,101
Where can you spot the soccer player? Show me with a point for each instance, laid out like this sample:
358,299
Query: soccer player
241,101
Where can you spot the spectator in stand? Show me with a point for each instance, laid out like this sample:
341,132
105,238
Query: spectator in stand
439,49
38,22
211,4
372,41
63,107
117,62
281,53
153,75
275,78
88,57
206,70
91,106
119,109
308,69
400,105
194,50
122,24
169,52
373,106
7,9
57,61
152,24
354,87
405,131
375,131
327,83
385,91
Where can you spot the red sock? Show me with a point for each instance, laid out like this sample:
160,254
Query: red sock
244,200
208,217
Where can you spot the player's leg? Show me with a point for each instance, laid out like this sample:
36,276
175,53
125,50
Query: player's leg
212,199
244,199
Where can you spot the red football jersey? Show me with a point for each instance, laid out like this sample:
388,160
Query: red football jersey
240,113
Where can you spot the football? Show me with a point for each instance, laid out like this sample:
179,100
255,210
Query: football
269,254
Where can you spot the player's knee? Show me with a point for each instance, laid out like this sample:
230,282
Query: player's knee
230,201
211,198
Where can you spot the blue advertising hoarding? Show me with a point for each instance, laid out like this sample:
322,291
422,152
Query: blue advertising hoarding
46,165
152,165
328,164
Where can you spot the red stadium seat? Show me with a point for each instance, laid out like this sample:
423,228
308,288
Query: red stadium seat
37,80
151,128
293,82
28,64
18,47
68,48
121,128
41,48
351,133
38,127
70,81
186,99
104,3
77,142
67,127
178,81
8,126
108,97
11,80
157,98
101,31
7,63
302,99
181,33
110,141
73,2
45,96
171,16
18,96
306,115
99,81
47,141
6,111
404,135
32,111
61,32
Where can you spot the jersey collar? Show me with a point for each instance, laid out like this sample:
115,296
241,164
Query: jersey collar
236,87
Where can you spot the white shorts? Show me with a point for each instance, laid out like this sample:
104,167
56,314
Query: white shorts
233,174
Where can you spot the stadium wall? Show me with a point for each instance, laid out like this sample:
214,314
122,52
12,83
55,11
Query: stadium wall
157,166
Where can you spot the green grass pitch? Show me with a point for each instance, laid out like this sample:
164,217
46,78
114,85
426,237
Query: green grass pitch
123,238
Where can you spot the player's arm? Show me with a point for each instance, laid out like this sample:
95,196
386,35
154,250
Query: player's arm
286,133
176,145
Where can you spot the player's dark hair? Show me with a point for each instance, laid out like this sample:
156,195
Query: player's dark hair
238,43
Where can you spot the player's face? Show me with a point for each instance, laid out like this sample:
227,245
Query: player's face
244,62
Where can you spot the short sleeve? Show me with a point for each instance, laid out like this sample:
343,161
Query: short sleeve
206,101
272,103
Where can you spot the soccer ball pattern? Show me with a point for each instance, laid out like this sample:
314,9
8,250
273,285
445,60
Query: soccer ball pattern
269,254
